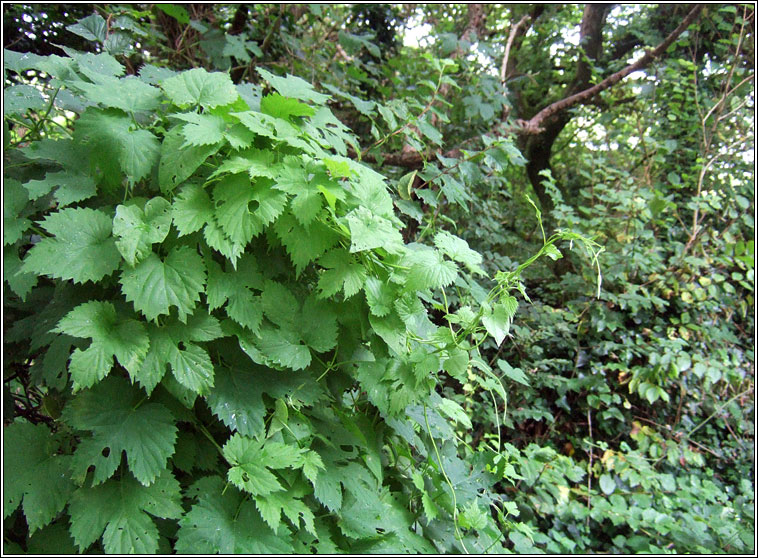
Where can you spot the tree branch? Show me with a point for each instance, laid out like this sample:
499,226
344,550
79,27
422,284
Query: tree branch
533,125
508,45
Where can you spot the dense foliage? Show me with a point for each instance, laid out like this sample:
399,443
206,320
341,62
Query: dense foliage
282,279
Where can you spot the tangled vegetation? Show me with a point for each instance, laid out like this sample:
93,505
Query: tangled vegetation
378,278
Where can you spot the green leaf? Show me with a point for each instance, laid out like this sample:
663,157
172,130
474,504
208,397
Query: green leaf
369,231
246,309
70,187
129,94
272,506
458,249
116,144
405,185
515,374
154,286
178,162
192,367
284,347
199,87
279,304
192,208
35,474
177,11
380,296
457,364
92,28
225,521
111,335
283,107
498,323
201,129
607,484
15,201
237,400
90,366
217,239
17,99
251,466
318,325
296,180
244,209
294,87
81,249
137,229
552,252
110,410
428,270
304,244
255,162
454,411
19,281
343,273
118,510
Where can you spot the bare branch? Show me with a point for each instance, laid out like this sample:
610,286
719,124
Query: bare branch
533,125
508,45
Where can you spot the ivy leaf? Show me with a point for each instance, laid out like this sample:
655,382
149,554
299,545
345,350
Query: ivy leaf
36,476
343,274
110,410
294,87
201,129
82,248
154,286
369,231
118,510
225,521
199,87
137,230
192,208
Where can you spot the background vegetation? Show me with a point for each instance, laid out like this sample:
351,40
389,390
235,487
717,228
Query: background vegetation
379,278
